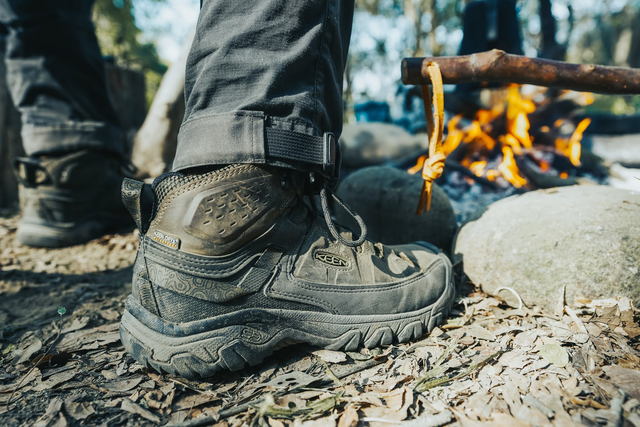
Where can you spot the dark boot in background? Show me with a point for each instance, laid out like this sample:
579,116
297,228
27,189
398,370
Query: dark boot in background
70,199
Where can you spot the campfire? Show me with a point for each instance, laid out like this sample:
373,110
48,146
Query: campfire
498,139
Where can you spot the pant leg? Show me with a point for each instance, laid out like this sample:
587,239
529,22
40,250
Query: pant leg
257,65
56,77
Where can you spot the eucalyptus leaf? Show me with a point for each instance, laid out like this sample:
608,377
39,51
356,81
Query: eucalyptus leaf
555,354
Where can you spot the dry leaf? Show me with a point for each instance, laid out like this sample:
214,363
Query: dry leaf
134,408
79,411
320,422
110,314
505,420
122,385
275,423
428,420
109,374
34,347
113,403
628,380
349,417
55,380
111,327
292,379
108,338
331,356
77,324
193,401
555,354
479,332
52,411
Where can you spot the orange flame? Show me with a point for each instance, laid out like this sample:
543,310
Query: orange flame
516,141
572,147
509,169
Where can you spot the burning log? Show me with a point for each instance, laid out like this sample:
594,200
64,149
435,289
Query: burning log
498,66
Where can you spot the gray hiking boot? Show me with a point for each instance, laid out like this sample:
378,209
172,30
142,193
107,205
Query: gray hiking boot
69,199
233,265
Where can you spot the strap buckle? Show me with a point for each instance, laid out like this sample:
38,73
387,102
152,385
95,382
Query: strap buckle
332,159
329,158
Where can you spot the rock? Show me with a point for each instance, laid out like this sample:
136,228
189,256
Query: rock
387,199
617,148
584,238
367,144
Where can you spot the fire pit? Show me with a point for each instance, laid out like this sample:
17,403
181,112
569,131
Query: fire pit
550,247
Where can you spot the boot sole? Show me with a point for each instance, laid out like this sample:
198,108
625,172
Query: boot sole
246,337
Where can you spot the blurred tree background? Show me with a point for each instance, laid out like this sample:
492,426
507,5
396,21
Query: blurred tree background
385,31
583,31
120,38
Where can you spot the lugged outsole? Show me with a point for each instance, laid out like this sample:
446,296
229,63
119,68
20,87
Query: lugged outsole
248,341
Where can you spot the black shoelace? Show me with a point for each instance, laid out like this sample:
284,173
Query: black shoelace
330,224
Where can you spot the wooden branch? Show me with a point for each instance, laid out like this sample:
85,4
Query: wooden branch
498,66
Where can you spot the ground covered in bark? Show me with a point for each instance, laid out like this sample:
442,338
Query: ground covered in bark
61,361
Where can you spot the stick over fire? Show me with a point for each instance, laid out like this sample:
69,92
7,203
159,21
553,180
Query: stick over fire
498,66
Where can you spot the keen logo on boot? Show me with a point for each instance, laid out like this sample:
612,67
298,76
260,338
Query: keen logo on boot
331,259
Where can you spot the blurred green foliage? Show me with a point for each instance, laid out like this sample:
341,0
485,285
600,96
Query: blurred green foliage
119,37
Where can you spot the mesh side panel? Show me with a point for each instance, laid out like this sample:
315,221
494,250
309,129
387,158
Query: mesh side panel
168,182
179,308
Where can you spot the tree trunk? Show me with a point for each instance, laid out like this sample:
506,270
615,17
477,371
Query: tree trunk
155,144
551,49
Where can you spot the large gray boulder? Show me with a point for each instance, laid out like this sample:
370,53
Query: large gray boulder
366,144
584,238
387,199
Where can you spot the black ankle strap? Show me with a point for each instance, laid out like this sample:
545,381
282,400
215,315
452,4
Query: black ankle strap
318,154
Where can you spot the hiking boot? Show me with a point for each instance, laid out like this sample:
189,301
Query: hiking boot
233,265
69,199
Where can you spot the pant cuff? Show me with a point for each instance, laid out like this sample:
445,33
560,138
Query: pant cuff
72,136
236,137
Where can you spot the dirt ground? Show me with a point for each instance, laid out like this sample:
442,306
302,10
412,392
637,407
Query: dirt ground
61,361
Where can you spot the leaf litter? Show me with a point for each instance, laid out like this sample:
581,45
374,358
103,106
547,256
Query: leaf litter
488,364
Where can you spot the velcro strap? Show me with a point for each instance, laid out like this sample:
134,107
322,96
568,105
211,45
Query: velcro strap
319,152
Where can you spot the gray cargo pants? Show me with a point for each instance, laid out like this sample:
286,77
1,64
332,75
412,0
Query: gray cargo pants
263,80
